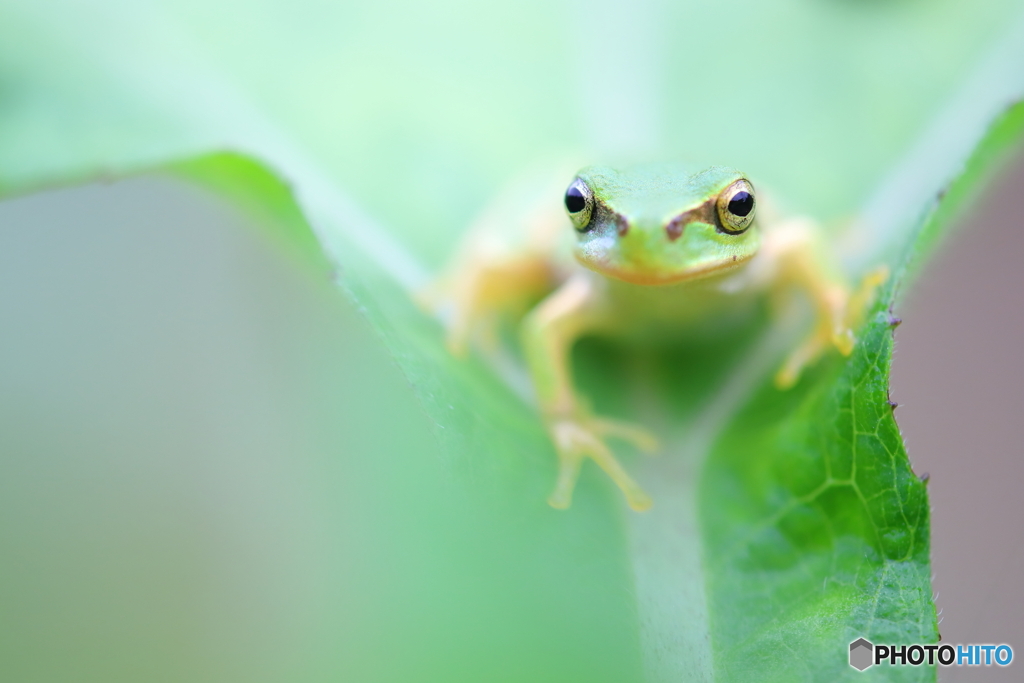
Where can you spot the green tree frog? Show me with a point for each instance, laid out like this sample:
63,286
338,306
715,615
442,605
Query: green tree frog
656,248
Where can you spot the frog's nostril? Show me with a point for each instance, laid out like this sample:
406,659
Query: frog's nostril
623,225
674,228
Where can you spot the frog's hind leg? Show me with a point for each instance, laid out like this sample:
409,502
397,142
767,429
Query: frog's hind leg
510,258
479,289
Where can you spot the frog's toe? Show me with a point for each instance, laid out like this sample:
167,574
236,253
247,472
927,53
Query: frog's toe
436,300
431,297
861,299
875,278
637,499
575,441
786,377
568,473
639,436
844,341
805,354
457,335
456,345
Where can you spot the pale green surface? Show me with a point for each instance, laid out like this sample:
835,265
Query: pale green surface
199,484
420,112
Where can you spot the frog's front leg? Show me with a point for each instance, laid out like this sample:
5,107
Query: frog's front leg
548,336
839,311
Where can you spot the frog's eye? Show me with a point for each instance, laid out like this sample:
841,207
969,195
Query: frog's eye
736,207
579,202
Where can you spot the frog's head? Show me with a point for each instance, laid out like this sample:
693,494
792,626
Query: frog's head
658,225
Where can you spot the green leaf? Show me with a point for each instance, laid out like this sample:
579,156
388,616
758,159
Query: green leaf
785,524
816,526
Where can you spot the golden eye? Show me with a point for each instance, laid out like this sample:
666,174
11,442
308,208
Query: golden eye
736,207
579,202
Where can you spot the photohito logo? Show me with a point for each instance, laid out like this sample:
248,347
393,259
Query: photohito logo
863,654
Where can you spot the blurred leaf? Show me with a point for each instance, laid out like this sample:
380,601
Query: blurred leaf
786,524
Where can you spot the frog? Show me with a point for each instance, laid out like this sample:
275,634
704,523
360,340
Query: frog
646,250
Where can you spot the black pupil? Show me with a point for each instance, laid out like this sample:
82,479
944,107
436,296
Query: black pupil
741,204
574,200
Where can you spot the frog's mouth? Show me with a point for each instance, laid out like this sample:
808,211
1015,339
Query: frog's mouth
657,277
649,255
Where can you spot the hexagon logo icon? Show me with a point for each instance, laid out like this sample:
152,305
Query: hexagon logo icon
860,654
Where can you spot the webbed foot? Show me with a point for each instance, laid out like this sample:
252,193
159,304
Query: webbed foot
577,437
